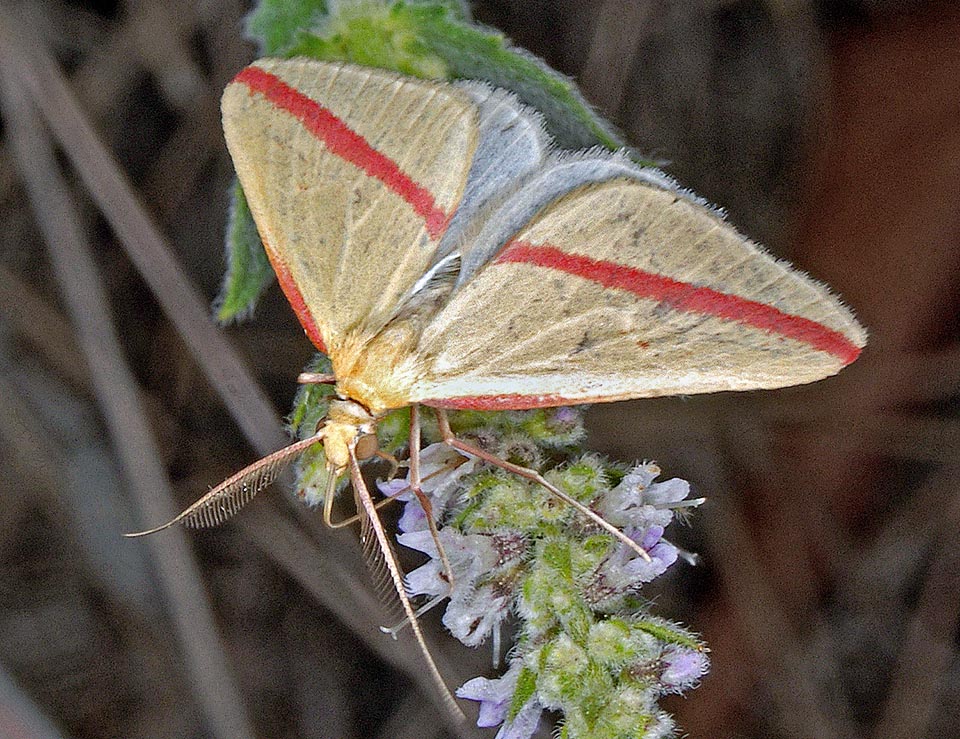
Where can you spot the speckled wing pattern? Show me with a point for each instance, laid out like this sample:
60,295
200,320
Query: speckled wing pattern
629,288
352,176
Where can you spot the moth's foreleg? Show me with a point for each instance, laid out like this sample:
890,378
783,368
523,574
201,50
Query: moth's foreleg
415,482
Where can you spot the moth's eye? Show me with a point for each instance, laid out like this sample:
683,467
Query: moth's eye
367,446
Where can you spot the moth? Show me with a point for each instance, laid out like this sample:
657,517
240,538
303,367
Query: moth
442,252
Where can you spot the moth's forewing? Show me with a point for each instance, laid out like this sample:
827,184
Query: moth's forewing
352,175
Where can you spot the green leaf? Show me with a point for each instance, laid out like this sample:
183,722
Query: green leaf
526,686
481,53
432,40
608,642
276,24
309,408
248,270
458,9
669,633
556,554
377,35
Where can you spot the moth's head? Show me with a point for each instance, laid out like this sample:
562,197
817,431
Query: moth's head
349,426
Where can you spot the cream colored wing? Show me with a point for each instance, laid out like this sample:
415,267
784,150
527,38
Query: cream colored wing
352,176
625,289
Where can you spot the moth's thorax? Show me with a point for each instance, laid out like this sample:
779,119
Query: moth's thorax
346,421
378,373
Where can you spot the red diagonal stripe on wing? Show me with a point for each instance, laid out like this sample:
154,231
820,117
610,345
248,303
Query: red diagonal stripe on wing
686,297
346,143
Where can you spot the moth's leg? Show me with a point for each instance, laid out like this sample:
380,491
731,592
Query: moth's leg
451,439
316,378
328,500
328,505
391,460
421,496
372,526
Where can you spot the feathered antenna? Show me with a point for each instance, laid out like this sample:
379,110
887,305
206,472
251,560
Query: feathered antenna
236,491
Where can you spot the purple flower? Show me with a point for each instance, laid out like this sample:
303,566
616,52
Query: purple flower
640,503
474,612
478,603
662,555
625,570
682,668
495,697
524,724
441,468
470,557
563,426
413,518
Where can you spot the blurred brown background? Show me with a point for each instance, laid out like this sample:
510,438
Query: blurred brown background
830,583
